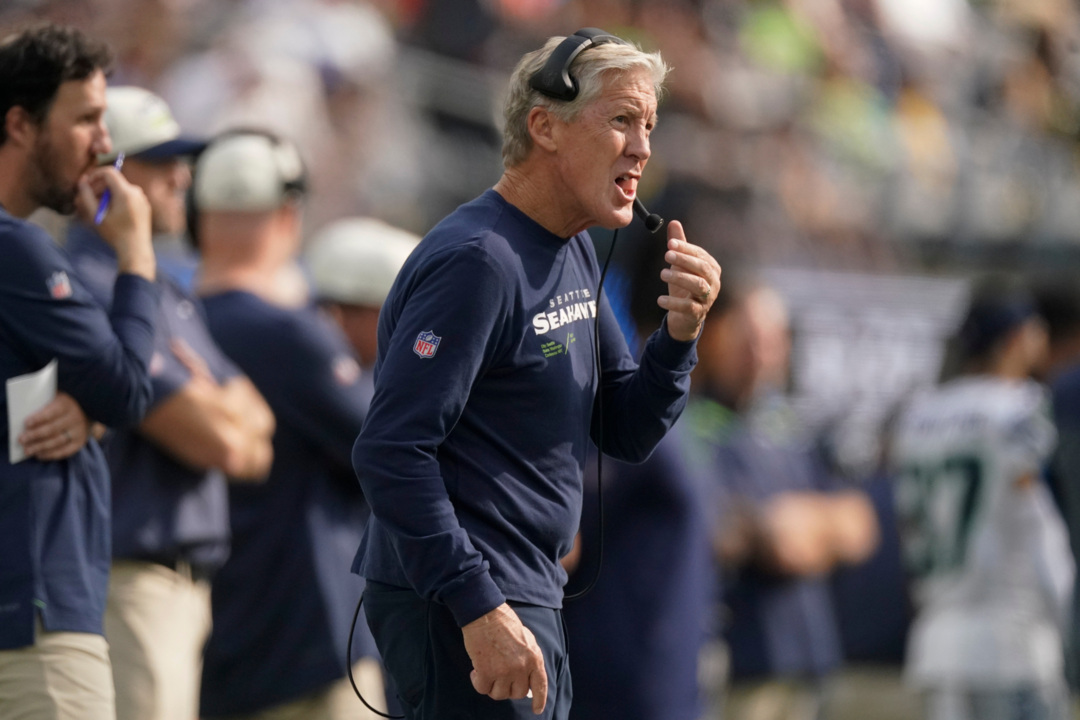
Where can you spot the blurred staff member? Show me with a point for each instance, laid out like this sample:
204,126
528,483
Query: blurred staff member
206,422
472,454
988,550
353,263
786,521
636,637
283,603
54,507
1059,305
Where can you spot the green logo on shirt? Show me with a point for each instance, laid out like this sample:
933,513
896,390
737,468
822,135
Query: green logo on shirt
552,348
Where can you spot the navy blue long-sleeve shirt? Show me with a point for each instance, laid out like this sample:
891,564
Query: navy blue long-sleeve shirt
283,602
54,516
472,453
636,636
162,509
776,624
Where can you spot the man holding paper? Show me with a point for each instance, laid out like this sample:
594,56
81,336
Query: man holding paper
54,505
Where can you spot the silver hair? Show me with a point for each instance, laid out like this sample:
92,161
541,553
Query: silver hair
588,69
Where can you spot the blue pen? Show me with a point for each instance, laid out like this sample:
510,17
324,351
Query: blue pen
104,204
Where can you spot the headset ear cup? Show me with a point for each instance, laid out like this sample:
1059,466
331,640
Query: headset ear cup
554,79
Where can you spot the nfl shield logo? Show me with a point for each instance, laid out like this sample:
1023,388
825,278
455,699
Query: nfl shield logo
59,285
426,344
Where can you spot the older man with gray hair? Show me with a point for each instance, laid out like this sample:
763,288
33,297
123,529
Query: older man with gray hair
498,360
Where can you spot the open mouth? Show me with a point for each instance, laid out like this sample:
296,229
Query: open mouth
627,185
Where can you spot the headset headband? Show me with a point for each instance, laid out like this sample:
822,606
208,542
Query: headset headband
554,79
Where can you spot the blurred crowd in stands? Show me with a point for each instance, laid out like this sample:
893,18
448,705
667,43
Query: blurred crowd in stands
859,134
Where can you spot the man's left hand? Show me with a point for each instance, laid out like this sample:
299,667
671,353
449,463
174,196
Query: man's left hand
693,281
57,431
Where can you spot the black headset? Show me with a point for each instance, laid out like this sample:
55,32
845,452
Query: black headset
555,81
295,185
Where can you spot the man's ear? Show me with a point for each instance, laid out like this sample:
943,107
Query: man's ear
19,127
541,126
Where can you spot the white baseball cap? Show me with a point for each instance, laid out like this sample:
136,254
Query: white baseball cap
355,260
142,126
248,171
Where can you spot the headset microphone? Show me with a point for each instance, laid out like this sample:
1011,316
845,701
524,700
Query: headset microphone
652,220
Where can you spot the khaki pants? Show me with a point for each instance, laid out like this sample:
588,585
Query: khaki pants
337,702
157,621
62,676
780,699
877,692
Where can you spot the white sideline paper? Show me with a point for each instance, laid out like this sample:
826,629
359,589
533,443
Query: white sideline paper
26,394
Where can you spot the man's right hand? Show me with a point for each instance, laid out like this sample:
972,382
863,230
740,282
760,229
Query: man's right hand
507,662
126,225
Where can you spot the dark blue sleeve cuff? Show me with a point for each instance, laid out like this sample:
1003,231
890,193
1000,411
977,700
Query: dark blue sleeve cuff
135,302
673,354
135,295
472,597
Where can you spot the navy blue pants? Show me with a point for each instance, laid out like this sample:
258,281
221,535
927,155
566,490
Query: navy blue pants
424,652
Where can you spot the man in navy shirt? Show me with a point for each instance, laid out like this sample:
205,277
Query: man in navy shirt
637,635
54,513
485,388
786,522
206,421
352,263
284,601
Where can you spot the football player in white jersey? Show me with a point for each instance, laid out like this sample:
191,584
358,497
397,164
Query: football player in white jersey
988,551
